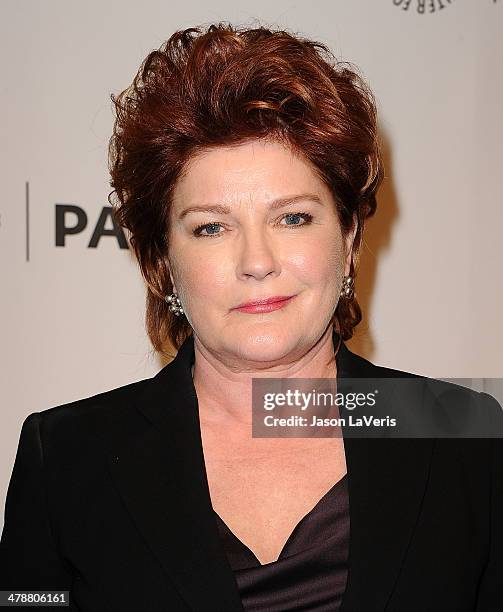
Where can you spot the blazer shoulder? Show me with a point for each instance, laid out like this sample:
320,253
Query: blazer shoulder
73,415
438,386
445,391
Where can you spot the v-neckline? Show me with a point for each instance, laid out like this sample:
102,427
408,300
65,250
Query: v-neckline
295,530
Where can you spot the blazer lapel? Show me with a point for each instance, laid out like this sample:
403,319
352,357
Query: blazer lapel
162,478
387,479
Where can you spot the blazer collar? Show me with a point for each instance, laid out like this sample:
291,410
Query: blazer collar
160,472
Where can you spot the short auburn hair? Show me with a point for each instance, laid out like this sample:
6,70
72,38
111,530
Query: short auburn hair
223,85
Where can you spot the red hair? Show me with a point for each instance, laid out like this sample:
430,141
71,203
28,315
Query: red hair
223,85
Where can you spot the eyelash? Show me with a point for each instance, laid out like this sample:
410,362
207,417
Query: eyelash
196,231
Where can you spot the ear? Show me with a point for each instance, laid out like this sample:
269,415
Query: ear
350,238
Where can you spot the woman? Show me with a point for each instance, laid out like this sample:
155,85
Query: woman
244,165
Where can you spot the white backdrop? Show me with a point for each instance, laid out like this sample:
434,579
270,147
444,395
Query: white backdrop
430,282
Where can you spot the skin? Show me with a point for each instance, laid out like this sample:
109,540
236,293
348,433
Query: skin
252,253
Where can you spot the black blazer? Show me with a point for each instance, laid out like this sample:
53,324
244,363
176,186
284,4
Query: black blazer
109,499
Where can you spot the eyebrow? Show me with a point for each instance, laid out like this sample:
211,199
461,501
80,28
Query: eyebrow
275,204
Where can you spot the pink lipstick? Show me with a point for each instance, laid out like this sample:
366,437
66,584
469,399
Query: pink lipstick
266,304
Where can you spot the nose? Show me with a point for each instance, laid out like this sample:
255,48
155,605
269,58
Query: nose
258,256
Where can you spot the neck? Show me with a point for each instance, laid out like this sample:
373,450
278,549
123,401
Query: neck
225,394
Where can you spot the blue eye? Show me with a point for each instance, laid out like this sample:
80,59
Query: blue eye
307,218
197,231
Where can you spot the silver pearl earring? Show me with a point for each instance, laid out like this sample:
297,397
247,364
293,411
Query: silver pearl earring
348,289
175,306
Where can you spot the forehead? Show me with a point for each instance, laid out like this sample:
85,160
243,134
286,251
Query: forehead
252,170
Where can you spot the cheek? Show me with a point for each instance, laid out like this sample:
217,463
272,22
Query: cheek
317,261
204,277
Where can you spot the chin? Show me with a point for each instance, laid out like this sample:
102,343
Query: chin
262,344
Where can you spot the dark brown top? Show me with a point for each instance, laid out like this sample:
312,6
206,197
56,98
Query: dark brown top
311,571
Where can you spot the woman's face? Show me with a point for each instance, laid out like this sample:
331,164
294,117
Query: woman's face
249,247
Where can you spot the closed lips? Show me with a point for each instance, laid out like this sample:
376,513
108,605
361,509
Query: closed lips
270,300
